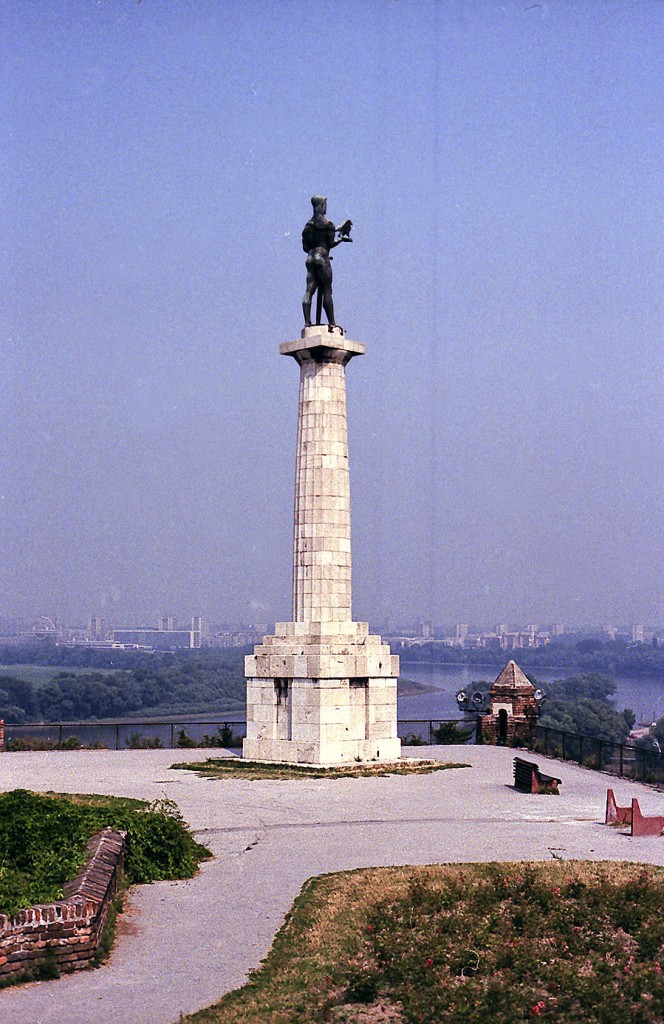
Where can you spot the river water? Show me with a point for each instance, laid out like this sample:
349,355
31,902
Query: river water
644,694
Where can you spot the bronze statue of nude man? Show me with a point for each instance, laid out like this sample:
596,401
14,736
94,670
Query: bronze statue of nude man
318,237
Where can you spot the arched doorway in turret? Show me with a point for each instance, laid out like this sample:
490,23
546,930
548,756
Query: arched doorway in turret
502,727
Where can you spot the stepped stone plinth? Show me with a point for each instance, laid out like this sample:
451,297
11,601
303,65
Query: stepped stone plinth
322,689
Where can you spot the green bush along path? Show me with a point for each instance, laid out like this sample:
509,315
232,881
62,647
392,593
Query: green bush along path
43,841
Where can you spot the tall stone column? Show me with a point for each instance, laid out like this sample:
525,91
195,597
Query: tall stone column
322,690
321,534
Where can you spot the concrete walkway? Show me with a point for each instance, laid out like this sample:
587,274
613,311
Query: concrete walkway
182,945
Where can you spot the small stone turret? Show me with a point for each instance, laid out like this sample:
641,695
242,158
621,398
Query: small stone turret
513,710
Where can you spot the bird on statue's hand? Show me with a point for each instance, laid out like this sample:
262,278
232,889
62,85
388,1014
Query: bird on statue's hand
345,228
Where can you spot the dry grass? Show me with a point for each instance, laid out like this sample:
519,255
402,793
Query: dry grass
301,978
387,946
238,768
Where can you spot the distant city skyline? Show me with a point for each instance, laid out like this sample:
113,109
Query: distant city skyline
502,165
96,627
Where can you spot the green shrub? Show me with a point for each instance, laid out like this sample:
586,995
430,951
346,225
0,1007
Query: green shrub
159,845
43,841
17,743
224,737
414,739
184,740
71,743
138,742
449,732
42,846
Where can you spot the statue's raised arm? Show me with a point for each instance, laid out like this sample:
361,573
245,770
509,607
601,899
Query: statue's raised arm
318,237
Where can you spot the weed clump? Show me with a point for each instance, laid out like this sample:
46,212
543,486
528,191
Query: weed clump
138,742
464,944
17,743
43,843
514,943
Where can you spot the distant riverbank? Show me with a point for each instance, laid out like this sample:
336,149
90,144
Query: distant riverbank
644,694
585,654
410,688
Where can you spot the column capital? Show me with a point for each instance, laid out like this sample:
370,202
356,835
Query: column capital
320,344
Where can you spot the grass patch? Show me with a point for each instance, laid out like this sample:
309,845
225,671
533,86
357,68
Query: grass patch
238,768
43,842
464,944
126,803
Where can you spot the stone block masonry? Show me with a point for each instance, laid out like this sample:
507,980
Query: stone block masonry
69,930
321,532
513,710
322,690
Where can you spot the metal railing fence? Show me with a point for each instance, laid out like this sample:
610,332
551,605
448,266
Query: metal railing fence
121,734
430,731
125,733
623,759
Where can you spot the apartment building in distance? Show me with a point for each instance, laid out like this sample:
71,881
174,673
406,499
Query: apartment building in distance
501,638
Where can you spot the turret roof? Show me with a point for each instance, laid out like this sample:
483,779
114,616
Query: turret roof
513,678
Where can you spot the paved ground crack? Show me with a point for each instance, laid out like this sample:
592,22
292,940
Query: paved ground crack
388,822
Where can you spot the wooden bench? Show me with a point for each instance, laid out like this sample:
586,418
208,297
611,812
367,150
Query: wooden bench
529,779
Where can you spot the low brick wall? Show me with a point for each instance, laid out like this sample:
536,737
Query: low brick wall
68,931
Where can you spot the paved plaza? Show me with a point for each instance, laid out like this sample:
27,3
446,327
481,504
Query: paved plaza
182,945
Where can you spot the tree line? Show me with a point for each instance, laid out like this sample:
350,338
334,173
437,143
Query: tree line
583,704
190,682
156,684
588,653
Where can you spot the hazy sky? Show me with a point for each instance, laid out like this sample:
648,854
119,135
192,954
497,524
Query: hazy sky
502,164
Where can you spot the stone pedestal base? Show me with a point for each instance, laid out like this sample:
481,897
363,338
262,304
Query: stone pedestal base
322,693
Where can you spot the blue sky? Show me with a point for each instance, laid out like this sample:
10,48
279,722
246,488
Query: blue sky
502,164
